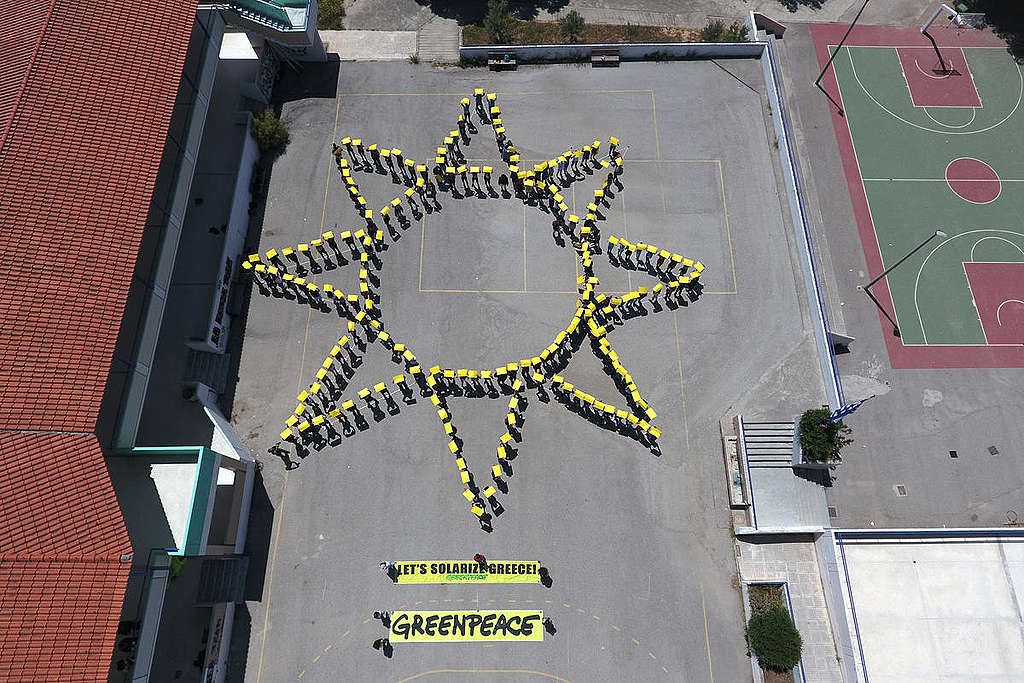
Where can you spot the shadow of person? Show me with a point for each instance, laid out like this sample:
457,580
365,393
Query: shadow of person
388,650
545,577
549,626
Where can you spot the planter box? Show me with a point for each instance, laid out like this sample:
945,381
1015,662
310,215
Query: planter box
798,452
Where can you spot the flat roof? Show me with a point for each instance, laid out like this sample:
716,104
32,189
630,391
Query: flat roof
932,607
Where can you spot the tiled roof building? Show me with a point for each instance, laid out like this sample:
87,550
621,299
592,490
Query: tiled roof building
85,103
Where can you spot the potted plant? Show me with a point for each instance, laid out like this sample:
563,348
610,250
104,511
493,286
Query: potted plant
817,440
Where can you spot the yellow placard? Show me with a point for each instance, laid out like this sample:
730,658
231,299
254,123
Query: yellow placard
469,626
461,571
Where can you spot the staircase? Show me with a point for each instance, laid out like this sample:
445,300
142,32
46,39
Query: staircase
438,40
210,369
768,444
222,579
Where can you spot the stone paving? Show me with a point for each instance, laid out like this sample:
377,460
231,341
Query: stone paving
797,565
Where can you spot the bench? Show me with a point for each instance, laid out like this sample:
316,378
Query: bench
501,61
604,56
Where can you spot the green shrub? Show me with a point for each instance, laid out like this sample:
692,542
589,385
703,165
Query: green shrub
177,564
633,32
572,25
713,32
270,132
499,22
736,33
820,439
774,639
331,15
764,596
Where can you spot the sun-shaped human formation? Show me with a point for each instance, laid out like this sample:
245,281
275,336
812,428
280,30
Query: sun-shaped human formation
326,414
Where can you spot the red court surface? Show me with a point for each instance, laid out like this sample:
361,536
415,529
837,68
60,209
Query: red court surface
901,355
973,180
929,86
998,290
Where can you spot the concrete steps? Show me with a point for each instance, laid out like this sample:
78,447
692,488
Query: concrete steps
438,41
768,444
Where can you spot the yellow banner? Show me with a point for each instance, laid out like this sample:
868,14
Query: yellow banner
458,627
458,571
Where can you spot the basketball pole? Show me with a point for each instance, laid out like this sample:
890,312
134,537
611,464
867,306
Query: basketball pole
954,17
867,288
817,81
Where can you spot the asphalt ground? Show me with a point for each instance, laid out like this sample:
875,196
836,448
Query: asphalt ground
905,435
638,544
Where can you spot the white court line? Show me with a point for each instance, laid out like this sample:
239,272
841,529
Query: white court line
917,280
1020,96
974,115
942,180
974,301
993,237
1000,309
867,202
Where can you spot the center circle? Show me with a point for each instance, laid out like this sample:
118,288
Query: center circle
973,180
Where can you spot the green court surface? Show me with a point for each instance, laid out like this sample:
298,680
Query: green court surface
916,169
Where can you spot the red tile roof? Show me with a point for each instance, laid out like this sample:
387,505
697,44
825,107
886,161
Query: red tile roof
61,540
85,102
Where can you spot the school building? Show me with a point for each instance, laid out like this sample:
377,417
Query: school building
127,174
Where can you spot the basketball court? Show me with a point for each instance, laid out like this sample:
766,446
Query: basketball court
927,143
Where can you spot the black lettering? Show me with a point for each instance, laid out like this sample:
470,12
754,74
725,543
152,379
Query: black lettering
528,624
513,624
423,567
417,624
531,569
522,569
431,627
433,568
472,621
400,626
515,568
487,628
444,625
459,624
500,625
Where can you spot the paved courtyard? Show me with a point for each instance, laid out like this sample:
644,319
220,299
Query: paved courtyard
636,539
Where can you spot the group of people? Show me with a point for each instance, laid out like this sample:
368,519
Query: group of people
319,406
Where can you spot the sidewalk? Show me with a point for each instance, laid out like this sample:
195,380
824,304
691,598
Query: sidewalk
370,45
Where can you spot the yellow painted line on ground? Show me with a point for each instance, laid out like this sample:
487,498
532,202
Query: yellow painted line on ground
652,655
366,620
302,673
328,647
596,618
302,361
419,602
484,671
345,633
423,239
317,658
728,231
525,285
707,637
682,392
635,641
580,610
565,604
616,627
460,599
664,669
654,114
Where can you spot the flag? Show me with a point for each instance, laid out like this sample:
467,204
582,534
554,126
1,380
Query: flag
847,409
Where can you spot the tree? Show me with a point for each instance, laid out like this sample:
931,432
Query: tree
499,22
712,33
572,25
820,438
774,639
270,132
